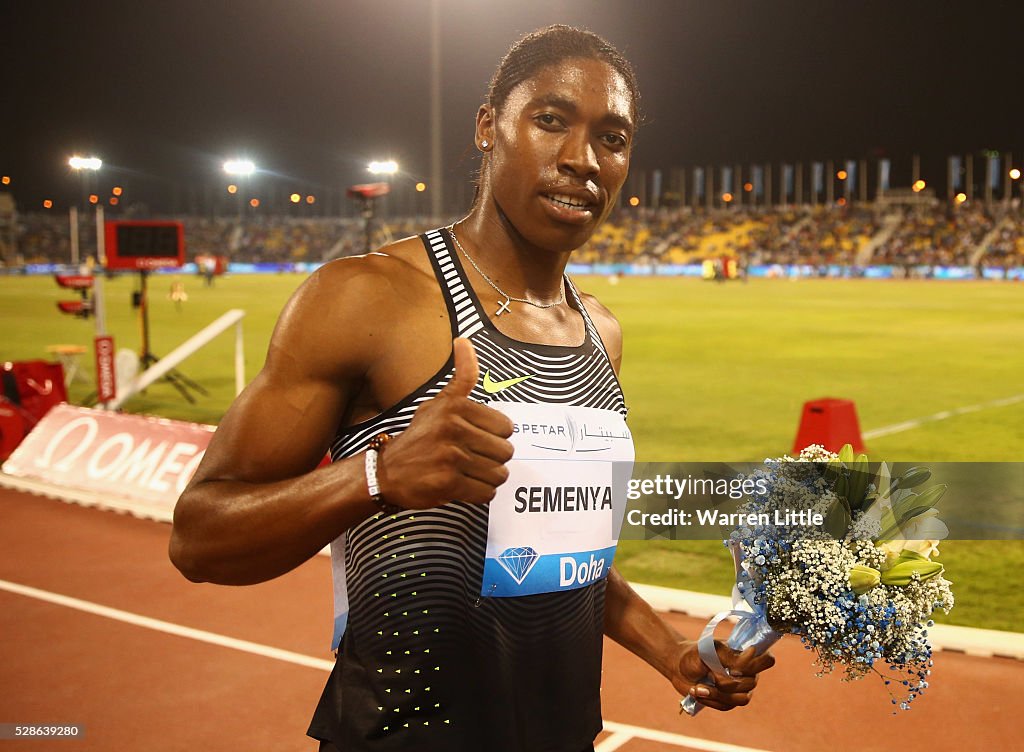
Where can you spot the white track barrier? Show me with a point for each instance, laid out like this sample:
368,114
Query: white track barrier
189,347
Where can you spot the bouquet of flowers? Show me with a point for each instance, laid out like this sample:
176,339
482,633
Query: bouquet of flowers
853,577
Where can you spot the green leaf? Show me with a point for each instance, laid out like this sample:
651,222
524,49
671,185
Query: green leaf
837,519
913,477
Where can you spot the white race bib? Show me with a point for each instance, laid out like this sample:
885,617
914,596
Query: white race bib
553,525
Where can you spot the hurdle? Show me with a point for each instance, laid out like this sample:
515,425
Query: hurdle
187,348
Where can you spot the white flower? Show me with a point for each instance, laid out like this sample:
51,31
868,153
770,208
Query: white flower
925,526
923,534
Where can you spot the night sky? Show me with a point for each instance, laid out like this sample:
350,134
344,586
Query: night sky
312,90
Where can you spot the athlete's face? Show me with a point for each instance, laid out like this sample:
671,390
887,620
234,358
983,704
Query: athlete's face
561,150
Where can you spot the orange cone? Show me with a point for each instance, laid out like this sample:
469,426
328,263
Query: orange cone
830,422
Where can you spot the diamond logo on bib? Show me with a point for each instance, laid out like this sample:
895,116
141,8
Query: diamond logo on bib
518,562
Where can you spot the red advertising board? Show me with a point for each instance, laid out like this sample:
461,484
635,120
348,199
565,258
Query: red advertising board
148,461
106,384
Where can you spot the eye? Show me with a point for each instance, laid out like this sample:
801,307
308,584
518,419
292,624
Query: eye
547,120
615,141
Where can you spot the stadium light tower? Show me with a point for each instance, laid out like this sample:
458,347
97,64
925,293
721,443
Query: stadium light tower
387,169
242,169
436,192
89,166
85,167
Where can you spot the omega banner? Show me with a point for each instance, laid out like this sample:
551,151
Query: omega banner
106,385
148,461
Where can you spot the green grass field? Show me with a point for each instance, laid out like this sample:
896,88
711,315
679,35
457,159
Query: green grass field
711,373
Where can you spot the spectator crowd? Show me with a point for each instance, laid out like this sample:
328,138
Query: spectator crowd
909,238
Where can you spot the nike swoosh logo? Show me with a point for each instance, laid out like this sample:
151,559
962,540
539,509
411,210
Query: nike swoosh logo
493,387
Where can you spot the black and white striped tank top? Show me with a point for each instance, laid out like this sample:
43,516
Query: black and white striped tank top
424,662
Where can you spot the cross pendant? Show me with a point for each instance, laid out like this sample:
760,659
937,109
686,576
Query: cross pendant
503,307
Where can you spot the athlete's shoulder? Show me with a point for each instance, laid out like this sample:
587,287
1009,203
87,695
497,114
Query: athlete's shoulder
398,263
349,308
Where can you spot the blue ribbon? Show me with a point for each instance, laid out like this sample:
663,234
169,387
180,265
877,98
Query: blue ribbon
751,628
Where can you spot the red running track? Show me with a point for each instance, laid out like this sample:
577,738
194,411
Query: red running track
134,686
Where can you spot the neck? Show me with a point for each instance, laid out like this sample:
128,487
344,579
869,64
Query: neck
518,267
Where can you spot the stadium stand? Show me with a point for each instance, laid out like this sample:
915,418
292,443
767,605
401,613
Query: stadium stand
909,238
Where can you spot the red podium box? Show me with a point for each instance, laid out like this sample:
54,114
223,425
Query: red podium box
28,389
12,428
830,422
33,385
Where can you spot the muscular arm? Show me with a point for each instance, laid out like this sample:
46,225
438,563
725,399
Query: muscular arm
255,507
348,344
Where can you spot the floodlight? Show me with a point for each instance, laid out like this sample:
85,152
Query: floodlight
85,163
243,167
388,167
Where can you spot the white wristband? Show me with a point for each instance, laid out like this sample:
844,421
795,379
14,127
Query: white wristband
372,482
372,485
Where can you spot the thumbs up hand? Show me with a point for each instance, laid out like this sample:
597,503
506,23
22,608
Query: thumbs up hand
454,448
467,370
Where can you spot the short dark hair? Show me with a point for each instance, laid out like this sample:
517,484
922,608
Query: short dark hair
550,46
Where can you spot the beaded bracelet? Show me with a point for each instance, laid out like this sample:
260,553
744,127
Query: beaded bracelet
372,483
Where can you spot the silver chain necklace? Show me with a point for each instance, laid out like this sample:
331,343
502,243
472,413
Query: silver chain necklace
508,298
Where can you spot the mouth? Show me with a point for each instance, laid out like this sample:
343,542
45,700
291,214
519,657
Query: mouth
575,209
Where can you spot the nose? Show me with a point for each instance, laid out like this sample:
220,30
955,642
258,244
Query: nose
578,157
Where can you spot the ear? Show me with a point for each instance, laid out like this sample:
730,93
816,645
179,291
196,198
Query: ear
485,129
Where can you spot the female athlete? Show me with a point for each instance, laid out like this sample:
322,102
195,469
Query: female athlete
473,583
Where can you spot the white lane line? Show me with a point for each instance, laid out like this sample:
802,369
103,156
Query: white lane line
907,425
167,627
677,739
611,742
620,732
